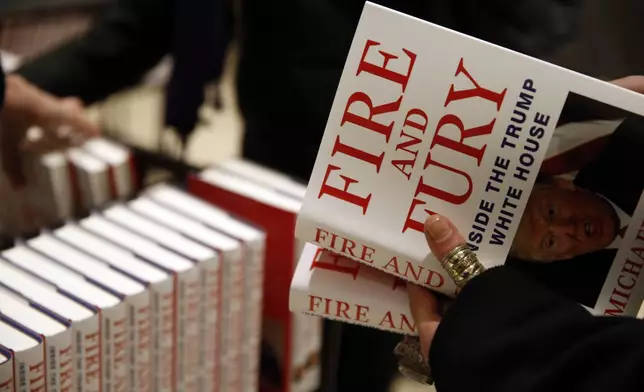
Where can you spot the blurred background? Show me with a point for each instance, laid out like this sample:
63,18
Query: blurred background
606,46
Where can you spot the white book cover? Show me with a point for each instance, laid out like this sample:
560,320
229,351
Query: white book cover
62,305
30,373
56,336
307,330
6,370
202,309
452,125
112,311
119,159
254,241
90,179
180,308
335,287
160,286
230,283
134,352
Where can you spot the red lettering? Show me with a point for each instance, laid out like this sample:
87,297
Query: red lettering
368,122
416,273
333,262
343,194
353,152
477,91
460,146
344,245
37,382
92,357
66,360
7,385
403,323
382,71
339,309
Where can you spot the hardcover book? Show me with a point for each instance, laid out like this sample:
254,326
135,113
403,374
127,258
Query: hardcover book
520,154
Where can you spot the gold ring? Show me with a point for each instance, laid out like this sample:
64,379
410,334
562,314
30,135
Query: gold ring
462,265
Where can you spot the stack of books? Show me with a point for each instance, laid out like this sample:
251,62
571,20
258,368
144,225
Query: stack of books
64,184
163,291
528,160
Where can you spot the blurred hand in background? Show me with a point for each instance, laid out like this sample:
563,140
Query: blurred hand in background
35,121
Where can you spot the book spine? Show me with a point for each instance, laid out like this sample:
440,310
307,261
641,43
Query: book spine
189,307
31,370
6,376
60,362
209,321
233,328
141,342
164,316
430,274
254,259
115,335
87,344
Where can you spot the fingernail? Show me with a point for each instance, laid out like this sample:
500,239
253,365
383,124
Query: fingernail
438,228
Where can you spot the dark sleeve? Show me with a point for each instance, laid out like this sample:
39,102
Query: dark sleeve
507,333
131,38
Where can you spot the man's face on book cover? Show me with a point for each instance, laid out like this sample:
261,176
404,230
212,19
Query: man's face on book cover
562,221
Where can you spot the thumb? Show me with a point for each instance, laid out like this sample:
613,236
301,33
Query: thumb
442,236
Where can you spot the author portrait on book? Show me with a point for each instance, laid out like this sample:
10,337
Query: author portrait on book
582,205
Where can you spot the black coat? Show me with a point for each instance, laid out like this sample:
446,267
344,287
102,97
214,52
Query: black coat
507,333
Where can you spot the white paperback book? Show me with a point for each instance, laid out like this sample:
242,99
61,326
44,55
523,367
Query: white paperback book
29,356
119,160
57,337
135,350
6,370
186,294
307,330
62,305
426,120
335,287
112,311
254,241
52,189
231,281
159,285
202,313
90,177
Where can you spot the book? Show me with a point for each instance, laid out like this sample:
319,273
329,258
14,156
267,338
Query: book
28,353
254,244
134,350
307,331
276,213
114,329
121,169
202,307
335,287
6,370
159,285
452,125
63,305
89,179
186,294
56,336
229,330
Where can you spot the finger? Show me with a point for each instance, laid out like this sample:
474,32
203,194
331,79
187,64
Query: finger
442,236
423,305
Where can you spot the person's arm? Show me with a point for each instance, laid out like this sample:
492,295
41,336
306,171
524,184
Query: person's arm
133,37
508,333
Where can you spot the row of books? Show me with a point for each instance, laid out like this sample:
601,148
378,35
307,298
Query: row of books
63,184
165,292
